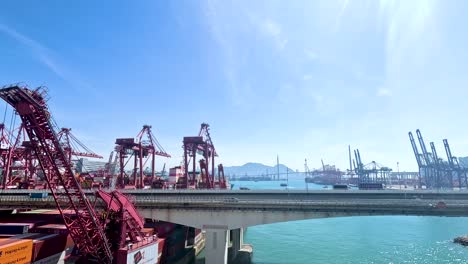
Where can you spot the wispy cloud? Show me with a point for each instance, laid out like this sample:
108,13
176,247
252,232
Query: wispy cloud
381,92
343,7
221,30
43,55
274,30
406,25
310,54
39,51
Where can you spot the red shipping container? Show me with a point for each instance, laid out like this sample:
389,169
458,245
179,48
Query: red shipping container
49,245
52,229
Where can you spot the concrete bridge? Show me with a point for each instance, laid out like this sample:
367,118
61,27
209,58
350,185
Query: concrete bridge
217,212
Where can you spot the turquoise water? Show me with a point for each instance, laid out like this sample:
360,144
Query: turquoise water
371,239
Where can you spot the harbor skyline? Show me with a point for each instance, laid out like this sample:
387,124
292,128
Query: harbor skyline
320,78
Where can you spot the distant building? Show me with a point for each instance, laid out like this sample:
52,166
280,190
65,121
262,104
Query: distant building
86,165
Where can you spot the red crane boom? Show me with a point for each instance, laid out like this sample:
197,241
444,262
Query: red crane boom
73,147
83,224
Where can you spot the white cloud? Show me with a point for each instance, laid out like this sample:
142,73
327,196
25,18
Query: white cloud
344,5
272,28
381,92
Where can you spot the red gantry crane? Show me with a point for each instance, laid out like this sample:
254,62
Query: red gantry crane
203,145
97,236
18,161
145,146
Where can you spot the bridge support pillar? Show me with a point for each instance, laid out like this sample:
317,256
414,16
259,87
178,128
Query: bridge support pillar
237,239
216,245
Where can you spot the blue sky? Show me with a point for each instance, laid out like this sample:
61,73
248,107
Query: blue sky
302,79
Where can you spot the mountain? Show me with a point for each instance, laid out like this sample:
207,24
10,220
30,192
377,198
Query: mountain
256,170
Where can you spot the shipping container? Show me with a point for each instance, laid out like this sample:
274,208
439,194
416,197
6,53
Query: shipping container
14,251
57,212
371,186
48,245
36,216
125,141
52,229
29,225
147,254
340,187
6,228
58,258
38,195
27,236
38,211
198,140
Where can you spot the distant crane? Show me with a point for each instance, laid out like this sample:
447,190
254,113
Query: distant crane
73,147
421,165
372,172
434,172
429,168
455,166
163,172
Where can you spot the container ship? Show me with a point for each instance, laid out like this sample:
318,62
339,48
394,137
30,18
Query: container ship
328,175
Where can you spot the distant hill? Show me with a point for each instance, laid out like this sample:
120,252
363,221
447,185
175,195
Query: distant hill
258,170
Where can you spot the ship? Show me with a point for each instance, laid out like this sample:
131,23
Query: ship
327,175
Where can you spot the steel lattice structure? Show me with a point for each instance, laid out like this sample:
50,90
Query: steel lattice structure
203,145
77,212
145,146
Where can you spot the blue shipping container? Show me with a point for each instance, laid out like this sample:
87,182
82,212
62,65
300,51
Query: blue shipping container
38,195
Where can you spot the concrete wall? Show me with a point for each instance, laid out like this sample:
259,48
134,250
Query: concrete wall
233,219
